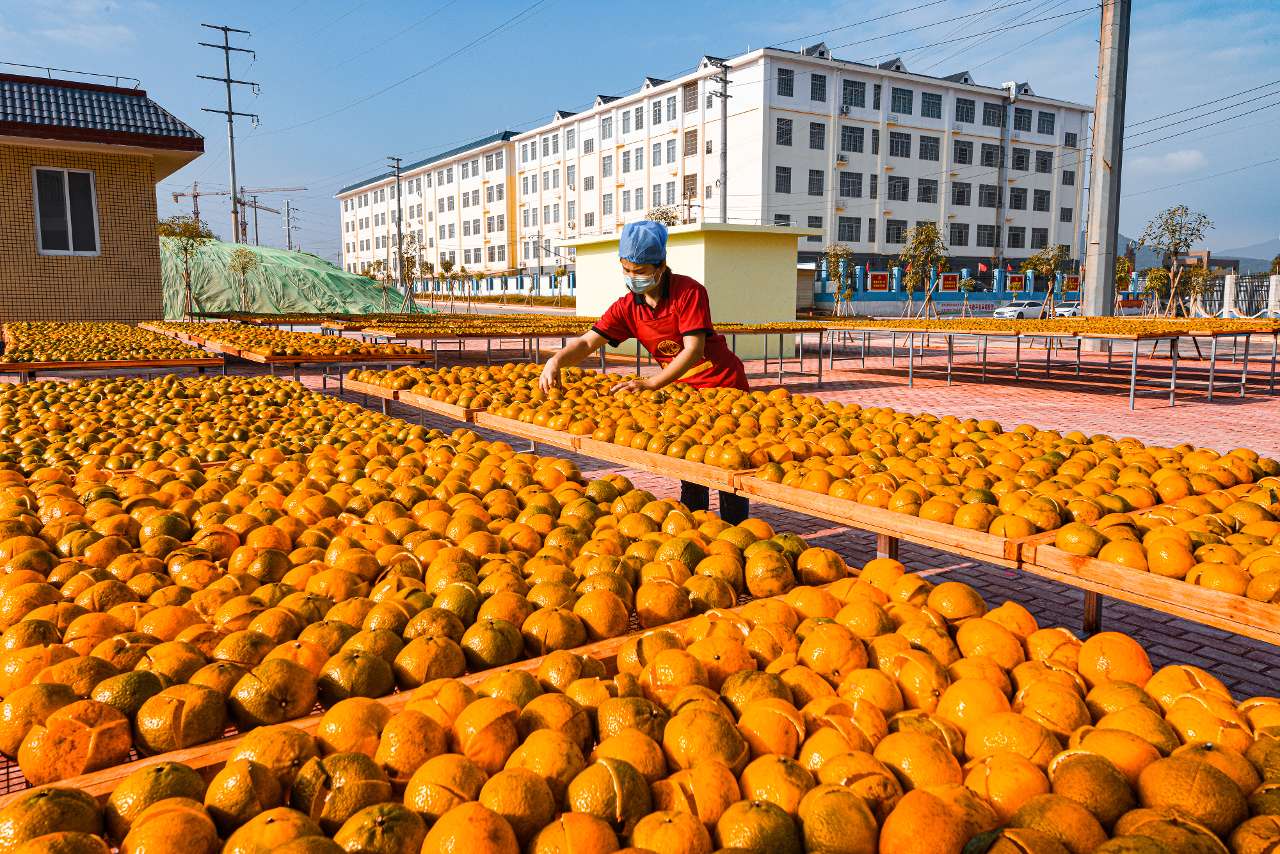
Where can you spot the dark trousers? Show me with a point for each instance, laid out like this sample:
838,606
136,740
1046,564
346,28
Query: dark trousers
733,508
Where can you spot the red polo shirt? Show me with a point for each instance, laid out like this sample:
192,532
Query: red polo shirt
682,309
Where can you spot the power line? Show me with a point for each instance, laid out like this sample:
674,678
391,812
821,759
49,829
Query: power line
1207,103
936,23
1209,125
1044,6
860,23
1205,177
1199,116
396,35
1045,34
527,11
976,35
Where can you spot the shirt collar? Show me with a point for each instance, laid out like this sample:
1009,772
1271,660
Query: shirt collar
664,286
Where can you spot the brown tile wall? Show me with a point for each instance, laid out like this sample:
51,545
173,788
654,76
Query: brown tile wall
122,283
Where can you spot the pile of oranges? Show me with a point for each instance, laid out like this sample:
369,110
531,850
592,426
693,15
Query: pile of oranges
52,341
348,555
969,473
267,341
1226,540
879,713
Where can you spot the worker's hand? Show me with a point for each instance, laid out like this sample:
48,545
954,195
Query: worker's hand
632,385
550,377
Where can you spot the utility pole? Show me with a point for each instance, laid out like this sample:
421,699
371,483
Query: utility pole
230,111
723,95
394,163
288,225
254,199
1103,223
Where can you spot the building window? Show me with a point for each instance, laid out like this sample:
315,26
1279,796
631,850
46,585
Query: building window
606,166
626,162
639,157
626,201
782,220
1068,178
817,182
1040,201
817,87
671,108
671,151
875,105
1070,140
927,190
606,204
965,110
899,144
639,194
1064,215
589,219
66,212
1017,237
1020,159
875,141
849,229
606,127
1039,238
588,146
988,236
959,234
990,154
871,229
853,93
655,158
1021,121
1045,123
1044,162
782,179
902,101
898,188
992,116
962,152
786,82
570,177
690,142
851,139
929,148
588,183
988,195
626,121
817,136
783,134
895,231
930,105
1017,198
815,222
851,185
570,139
690,188
689,91
873,189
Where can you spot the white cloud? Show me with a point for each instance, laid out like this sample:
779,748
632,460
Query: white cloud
93,35
1177,162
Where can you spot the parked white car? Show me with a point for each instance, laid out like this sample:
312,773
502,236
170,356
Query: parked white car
1067,309
1019,309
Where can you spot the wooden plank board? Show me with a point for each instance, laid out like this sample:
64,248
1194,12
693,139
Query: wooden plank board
108,365
710,476
1237,614
525,430
438,407
978,544
371,389
1031,545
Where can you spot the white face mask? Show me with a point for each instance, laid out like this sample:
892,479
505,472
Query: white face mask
640,284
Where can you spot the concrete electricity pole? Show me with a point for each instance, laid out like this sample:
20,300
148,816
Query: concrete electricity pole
230,112
394,163
723,79
288,225
1103,222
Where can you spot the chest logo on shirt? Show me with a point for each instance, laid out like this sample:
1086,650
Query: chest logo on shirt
668,348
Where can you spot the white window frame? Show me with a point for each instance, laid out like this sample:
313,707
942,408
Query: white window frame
66,201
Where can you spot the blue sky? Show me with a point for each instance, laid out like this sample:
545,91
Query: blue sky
331,110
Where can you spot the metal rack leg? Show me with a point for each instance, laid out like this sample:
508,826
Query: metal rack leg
603,367
1275,338
911,360
950,355
1133,373
1077,356
637,358
1213,362
886,546
1017,358
893,350
984,340
1092,612
865,340
820,337
780,359
1244,364
1173,372
1048,355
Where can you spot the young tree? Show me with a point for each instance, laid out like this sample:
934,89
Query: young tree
1275,266
188,235
243,261
1045,264
446,272
558,274
1172,233
835,253
923,253
1124,272
665,214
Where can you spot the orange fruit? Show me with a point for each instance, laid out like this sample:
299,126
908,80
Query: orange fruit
443,783
75,739
758,826
1006,781
675,832
704,790
575,833
1114,656
612,791
1195,789
471,827
918,760
1062,819
1093,782
522,798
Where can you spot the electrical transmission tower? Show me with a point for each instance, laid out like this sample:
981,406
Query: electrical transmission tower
230,111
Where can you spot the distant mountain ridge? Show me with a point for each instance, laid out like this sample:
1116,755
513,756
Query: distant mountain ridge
1253,259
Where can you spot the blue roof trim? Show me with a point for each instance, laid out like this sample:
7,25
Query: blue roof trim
38,102
501,136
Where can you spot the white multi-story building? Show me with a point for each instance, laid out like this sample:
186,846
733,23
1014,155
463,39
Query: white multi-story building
457,205
862,152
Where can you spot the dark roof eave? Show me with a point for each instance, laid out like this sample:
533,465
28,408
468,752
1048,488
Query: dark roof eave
501,136
102,137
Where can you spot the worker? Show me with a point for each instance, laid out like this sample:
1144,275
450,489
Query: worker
671,316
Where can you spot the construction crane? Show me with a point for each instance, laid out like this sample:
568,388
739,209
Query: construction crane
195,195
249,199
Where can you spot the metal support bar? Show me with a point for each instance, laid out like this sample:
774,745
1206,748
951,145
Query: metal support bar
886,546
1244,364
1133,374
1092,612
1213,362
1173,372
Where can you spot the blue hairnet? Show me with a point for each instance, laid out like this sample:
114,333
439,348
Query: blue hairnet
643,242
